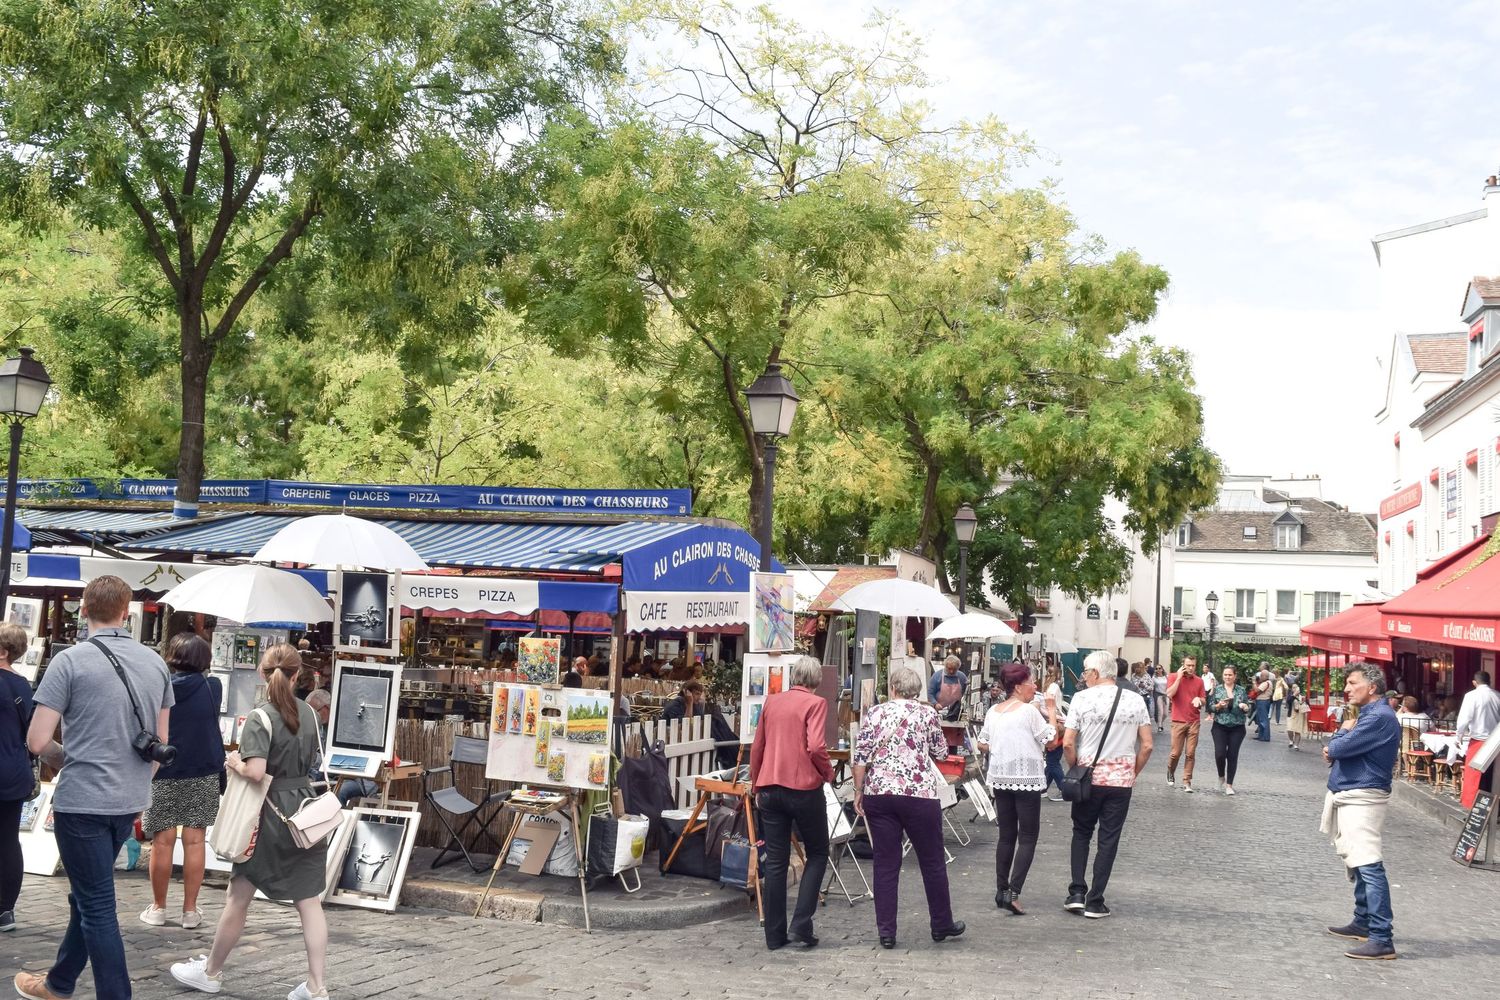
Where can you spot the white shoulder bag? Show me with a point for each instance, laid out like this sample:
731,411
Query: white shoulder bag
316,818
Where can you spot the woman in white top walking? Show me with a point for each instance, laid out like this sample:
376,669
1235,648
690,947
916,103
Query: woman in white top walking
1014,734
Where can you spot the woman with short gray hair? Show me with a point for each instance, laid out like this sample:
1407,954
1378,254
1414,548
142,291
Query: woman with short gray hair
895,789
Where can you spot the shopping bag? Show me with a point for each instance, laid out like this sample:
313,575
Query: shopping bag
616,845
734,863
238,821
314,819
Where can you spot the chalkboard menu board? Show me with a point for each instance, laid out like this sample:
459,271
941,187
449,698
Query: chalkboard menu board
1473,831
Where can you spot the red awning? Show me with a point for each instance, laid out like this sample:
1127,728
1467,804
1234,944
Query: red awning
1455,601
1359,632
846,579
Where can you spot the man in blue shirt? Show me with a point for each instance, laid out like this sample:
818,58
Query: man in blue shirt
1363,757
946,687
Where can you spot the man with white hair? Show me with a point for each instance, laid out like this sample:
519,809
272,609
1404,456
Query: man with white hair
789,765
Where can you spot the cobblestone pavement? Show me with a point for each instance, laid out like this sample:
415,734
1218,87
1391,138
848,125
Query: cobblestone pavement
1212,897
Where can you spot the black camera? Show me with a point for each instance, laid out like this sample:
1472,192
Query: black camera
153,750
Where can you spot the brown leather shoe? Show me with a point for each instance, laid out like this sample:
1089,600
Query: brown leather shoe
33,986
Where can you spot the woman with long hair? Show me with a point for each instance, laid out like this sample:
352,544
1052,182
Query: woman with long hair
279,868
1052,688
1014,734
186,792
16,776
1230,706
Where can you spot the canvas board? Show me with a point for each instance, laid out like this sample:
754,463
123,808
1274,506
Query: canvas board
549,736
539,660
365,612
772,612
764,674
362,722
38,845
373,858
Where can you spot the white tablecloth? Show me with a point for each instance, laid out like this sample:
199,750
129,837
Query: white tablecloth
1441,744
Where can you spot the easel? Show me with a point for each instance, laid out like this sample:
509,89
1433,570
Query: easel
569,801
707,787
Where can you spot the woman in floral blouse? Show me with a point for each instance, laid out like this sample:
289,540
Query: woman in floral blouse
895,789
1229,704
1014,734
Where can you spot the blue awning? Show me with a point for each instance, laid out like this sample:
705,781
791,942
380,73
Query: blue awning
583,548
68,526
20,537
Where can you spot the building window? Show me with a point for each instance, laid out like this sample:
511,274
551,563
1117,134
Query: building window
1184,534
1244,602
1183,605
1289,536
1286,603
1249,531
1325,604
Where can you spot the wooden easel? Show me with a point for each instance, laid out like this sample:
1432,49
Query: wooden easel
707,787
520,811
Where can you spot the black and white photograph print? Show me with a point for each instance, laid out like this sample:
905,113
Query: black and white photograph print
374,855
364,615
362,716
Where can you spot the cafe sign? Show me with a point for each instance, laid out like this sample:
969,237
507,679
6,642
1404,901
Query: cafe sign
1401,501
1475,633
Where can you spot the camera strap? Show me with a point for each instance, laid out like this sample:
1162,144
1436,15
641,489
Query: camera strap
120,671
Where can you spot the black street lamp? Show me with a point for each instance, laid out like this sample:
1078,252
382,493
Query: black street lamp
23,388
965,524
1211,602
773,404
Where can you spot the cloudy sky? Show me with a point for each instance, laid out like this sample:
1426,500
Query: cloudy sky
1252,150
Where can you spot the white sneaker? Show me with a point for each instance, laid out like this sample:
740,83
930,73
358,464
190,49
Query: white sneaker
191,919
1187,788
154,915
303,993
1171,781
1228,789
194,973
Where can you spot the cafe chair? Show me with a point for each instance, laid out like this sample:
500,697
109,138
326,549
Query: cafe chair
448,801
1442,773
1416,759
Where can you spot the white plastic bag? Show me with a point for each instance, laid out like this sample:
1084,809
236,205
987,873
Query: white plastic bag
233,835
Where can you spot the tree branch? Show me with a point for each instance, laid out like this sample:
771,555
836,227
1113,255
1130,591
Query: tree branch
152,234
280,252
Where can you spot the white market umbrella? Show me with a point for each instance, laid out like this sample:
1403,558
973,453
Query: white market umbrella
246,593
898,597
1056,645
340,540
973,626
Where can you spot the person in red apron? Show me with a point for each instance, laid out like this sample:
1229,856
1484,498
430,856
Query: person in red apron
946,689
1478,717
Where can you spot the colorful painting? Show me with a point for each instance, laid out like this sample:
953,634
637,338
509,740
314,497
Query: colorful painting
557,767
598,768
757,681
533,711
774,686
543,741
772,612
517,710
501,714
588,718
539,661
750,709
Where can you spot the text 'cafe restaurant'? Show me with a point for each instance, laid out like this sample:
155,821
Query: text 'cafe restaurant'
1437,634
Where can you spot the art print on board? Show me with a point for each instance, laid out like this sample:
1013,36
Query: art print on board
533,711
539,661
588,718
373,855
750,709
773,610
501,713
517,704
32,811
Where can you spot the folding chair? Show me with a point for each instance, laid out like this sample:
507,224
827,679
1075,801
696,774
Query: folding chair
840,833
449,801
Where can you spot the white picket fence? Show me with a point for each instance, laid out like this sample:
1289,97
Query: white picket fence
689,746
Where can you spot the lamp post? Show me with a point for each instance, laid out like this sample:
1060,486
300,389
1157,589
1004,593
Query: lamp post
773,404
1211,602
23,388
965,524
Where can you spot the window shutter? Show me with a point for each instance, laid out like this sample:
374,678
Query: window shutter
1346,601
1260,605
1486,483
1189,607
1308,607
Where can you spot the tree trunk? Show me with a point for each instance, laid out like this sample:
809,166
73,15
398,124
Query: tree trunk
196,360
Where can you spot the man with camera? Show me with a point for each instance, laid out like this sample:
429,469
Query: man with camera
112,696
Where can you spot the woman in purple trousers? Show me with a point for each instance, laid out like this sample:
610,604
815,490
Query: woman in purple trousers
895,790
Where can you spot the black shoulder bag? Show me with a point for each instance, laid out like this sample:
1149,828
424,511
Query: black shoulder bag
36,773
1078,783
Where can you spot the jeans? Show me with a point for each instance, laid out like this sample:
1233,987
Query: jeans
1263,719
1106,808
1184,740
889,816
1276,709
1019,817
12,864
1055,772
356,788
88,845
1227,740
1372,902
781,809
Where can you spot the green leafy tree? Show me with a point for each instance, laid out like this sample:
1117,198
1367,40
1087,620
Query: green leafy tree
240,149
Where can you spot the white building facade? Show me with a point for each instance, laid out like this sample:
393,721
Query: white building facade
1276,561
1440,414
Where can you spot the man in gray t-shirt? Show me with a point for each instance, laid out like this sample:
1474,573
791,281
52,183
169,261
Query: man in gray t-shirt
103,784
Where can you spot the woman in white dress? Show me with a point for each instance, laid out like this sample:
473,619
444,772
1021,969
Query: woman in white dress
1014,734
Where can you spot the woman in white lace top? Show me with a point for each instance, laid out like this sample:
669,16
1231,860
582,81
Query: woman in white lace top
1014,735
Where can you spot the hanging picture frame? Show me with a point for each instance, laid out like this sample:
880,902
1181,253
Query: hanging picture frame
365,611
773,613
375,851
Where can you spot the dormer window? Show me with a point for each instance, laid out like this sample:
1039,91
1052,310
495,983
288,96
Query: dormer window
1184,534
1289,536
1249,533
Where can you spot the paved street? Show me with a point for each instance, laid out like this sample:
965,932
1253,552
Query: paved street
1212,897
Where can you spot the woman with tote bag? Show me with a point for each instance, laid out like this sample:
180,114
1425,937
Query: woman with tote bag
278,867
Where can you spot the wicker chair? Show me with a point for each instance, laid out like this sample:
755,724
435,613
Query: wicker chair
1416,760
